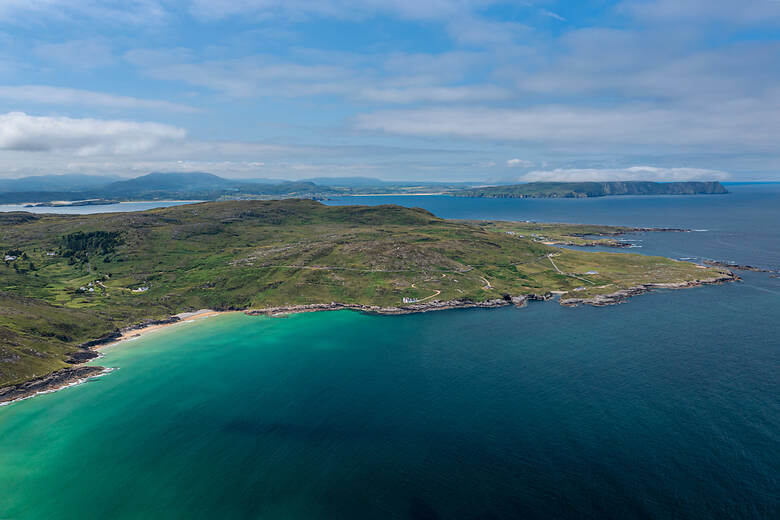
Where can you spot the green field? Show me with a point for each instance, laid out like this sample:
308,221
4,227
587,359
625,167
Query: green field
77,277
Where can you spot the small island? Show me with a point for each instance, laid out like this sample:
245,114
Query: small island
74,203
70,283
577,190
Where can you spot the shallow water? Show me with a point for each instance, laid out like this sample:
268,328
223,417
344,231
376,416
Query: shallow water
665,407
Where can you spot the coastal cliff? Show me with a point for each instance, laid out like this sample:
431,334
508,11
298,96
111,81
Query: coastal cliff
592,189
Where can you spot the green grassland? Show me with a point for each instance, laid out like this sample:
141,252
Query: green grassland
77,277
561,234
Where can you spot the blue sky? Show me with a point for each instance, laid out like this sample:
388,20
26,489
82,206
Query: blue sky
407,89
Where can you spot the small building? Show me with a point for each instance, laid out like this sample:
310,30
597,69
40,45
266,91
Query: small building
410,300
10,258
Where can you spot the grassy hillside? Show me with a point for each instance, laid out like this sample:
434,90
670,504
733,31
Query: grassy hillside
593,189
71,278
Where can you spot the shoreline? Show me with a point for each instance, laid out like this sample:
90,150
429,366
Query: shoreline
142,329
79,373
603,300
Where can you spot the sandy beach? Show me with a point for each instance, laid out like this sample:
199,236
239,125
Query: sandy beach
184,317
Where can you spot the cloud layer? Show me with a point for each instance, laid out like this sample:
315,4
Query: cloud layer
47,95
740,124
83,137
460,89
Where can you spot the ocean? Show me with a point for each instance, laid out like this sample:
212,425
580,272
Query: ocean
667,406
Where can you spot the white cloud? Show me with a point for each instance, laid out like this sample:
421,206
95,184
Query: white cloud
633,173
738,124
343,9
755,12
551,14
631,64
107,11
259,76
414,69
399,79
472,30
460,17
47,95
83,137
82,54
434,94
519,163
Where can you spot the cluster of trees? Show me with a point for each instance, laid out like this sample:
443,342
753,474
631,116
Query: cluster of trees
79,245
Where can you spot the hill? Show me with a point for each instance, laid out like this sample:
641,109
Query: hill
593,189
199,186
163,181
159,186
63,183
68,279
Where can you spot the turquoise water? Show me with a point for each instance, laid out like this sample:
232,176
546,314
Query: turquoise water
665,407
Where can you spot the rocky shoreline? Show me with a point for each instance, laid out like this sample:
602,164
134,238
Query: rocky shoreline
68,376
74,375
518,301
611,242
49,383
738,267
622,295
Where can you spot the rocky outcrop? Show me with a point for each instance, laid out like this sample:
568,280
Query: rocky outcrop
738,267
67,376
622,295
102,340
48,383
518,301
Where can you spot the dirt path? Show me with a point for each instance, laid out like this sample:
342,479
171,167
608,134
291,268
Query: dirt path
550,256
429,297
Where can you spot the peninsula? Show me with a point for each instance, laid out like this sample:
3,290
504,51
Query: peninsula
578,190
71,282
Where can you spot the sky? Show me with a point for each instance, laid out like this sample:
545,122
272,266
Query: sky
437,90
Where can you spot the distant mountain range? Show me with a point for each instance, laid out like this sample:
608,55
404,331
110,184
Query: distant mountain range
196,186
593,189
206,186
66,182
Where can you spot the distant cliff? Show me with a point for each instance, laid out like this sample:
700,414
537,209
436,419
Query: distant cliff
593,189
